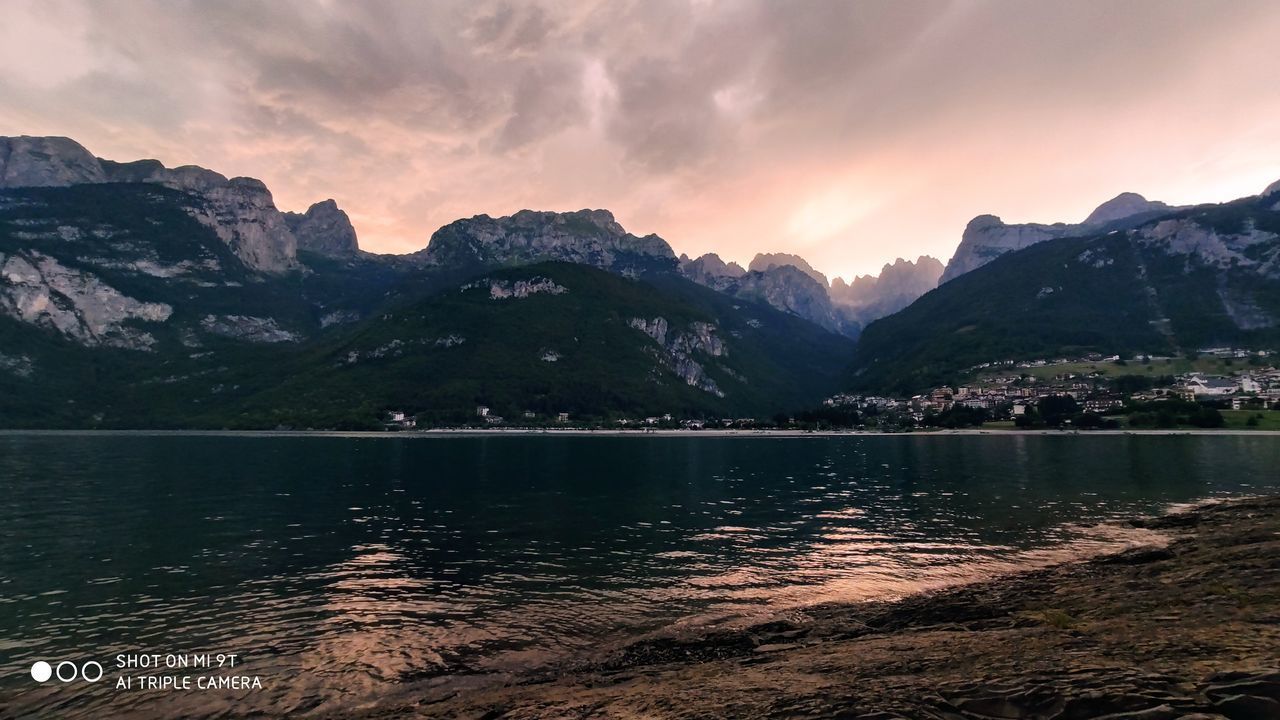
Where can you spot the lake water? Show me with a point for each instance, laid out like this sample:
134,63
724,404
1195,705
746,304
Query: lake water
343,569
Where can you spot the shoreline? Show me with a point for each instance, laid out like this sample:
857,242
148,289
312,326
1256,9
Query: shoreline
1159,631
576,432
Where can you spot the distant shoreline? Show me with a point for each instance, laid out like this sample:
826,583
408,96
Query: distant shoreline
574,432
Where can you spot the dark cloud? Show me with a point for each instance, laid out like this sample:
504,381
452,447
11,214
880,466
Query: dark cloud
821,127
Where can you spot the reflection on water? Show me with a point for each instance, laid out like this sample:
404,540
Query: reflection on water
344,567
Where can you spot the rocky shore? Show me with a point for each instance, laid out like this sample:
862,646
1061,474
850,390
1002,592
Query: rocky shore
1190,629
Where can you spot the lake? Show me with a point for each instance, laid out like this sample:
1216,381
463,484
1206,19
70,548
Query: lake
340,569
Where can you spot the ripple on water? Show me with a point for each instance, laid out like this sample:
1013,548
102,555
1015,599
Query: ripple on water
343,576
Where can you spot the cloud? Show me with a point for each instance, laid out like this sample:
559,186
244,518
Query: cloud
852,131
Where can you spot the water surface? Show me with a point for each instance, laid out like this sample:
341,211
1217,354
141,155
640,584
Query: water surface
341,569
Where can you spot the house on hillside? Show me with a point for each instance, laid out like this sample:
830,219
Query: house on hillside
398,420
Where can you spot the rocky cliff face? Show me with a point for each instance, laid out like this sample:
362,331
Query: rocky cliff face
244,216
988,237
680,349
240,210
871,297
37,289
586,237
132,266
517,289
1250,249
324,229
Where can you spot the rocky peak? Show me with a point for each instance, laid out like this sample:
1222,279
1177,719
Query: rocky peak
790,289
987,237
586,237
324,229
1126,204
765,261
46,162
710,270
1272,189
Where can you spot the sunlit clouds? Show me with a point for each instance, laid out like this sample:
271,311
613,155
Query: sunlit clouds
849,132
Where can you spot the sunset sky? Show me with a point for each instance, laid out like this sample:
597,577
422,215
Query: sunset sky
848,132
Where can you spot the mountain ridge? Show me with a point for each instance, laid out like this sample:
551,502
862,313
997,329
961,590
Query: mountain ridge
987,237
1191,278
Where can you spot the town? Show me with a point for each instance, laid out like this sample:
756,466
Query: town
1211,388
1093,391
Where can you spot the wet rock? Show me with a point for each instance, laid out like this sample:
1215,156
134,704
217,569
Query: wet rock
1248,707
1138,556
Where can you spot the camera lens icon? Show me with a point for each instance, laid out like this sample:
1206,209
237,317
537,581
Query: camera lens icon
66,671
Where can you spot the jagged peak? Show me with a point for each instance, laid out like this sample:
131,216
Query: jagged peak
711,264
324,228
765,261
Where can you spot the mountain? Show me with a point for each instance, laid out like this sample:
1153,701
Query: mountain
791,289
783,281
556,337
764,262
871,297
587,237
987,237
133,295
788,282
1184,280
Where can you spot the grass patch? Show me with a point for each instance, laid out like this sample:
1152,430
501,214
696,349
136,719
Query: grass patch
1240,419
1155,368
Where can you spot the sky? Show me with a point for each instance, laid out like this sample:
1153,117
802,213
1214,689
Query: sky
851,133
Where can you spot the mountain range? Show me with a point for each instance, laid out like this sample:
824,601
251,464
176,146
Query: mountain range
136,295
